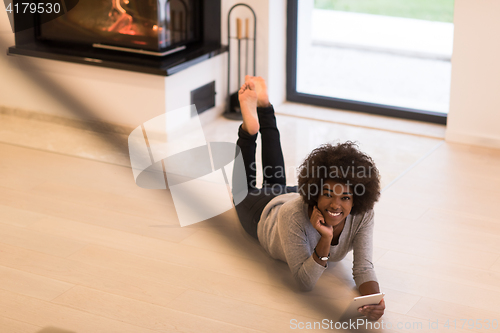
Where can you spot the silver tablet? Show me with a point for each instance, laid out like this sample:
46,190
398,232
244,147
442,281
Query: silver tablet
357,302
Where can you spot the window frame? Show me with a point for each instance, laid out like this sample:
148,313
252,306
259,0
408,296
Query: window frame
293,95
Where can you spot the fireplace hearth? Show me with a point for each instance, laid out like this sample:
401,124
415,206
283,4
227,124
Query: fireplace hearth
150,36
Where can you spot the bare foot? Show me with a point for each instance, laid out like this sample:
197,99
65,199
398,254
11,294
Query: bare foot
248,105
260,89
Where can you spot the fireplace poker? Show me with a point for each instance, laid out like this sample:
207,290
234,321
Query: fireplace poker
239,34
247,22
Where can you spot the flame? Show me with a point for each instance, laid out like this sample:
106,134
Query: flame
123,21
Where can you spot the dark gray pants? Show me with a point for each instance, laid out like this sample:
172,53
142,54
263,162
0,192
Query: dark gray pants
273,169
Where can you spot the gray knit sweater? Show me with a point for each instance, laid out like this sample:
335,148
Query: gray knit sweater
287,234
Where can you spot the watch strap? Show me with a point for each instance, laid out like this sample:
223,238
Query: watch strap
320,257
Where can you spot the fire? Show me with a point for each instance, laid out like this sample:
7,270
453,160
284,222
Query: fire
123,21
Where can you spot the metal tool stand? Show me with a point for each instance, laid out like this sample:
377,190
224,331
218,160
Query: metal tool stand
233,105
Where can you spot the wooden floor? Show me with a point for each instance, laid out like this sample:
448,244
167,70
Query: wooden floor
83,249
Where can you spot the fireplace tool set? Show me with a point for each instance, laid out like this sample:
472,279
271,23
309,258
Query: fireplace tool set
233,106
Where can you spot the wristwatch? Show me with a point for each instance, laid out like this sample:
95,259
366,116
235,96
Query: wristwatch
320,257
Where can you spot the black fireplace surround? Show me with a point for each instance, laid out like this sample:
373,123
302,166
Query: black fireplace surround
126,34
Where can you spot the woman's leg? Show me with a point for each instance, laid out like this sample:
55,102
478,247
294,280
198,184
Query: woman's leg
251,94
247,145
250,209
247,132
273,164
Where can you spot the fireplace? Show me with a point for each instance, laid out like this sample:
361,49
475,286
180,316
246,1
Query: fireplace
152,36
152,27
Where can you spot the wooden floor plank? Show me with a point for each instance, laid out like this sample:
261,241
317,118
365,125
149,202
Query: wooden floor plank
446,291
235,312
97,277
158,249
455,315
407,240
454,273
142,314
190,278
15,326
399,302
39,241
106,200
46,314
19,217
93,215
31,285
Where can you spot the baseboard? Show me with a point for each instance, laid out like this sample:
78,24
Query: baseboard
96,126
470,139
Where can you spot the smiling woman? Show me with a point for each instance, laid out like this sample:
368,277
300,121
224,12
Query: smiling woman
330,212
343,162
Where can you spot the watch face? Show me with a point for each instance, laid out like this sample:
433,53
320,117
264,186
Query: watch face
321,258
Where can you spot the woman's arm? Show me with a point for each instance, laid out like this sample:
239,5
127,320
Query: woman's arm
322,249
362,245
363,270
368,288
326,232
297,250
372,312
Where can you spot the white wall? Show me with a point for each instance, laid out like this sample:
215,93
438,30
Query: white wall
80,92
276,54
474,116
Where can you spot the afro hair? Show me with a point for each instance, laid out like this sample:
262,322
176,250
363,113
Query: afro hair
343,163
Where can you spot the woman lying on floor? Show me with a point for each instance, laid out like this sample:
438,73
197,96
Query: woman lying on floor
321,220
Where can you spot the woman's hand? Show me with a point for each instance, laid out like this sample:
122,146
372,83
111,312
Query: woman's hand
318,222
373,312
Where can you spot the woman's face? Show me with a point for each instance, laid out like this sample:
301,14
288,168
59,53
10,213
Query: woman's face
335,202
